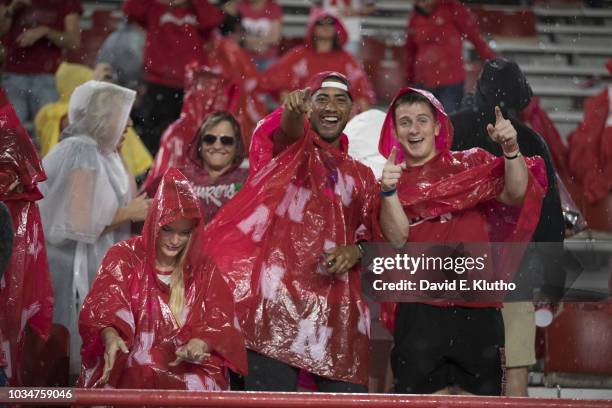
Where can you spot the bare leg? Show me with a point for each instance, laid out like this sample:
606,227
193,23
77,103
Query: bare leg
516,385
460,391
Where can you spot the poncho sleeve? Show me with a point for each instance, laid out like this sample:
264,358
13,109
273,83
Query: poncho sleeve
79,201
107,305
216,323
371,203
279,76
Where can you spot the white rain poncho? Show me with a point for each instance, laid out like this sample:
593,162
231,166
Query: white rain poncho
87,183
362,132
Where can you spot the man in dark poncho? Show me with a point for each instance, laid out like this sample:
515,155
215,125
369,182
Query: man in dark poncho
502,84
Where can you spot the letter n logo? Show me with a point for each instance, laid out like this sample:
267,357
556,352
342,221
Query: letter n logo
293,202
256,223
344,188
311,340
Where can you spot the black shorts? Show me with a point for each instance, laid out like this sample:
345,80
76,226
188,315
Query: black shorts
436,347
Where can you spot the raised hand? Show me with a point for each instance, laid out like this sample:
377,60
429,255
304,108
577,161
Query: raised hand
503,133
391,172
299,101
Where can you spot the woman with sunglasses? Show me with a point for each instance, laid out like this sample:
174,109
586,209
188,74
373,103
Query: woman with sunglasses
214,163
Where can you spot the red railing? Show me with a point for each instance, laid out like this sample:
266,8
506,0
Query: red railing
169,398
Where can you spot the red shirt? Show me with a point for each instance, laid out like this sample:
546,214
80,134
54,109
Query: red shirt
175,36
213,195
42,57
434,44
258,22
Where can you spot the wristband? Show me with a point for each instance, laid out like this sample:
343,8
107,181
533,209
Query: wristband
388,193
513,155
360,246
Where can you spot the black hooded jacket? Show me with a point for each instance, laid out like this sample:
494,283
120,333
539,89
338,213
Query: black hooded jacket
503,84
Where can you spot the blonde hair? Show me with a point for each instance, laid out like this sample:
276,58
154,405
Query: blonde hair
177,287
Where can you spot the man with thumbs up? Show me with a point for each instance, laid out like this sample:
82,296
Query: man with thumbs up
430,194
502,84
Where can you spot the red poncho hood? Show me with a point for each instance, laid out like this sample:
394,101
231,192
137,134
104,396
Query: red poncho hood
316,15
18,156
388,139
174,199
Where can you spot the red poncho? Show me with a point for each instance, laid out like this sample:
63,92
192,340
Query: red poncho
590,149
227,57
205,92
299,64
268,242
129,296
434,44
175,35
540,122
26,294
462,187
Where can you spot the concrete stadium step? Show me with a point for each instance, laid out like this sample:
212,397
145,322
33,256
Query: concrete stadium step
564,70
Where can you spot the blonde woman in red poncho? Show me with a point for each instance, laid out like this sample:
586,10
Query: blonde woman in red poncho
159,315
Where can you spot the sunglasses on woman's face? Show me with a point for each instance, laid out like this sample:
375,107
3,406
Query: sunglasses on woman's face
325,21
211,139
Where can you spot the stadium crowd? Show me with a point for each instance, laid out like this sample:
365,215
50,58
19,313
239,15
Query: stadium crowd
188,210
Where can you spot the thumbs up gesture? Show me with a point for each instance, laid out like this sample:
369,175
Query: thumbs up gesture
503,133
391,172
299,101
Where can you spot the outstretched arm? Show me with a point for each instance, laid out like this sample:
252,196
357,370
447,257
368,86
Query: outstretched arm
516,176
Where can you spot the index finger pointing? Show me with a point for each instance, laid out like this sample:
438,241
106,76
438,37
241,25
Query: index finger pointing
307,93
498,115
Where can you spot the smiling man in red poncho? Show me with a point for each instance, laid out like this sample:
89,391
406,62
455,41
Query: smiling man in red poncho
288,243
432,194
159,314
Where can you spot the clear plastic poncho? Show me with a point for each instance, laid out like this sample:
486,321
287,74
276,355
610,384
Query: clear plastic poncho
88,182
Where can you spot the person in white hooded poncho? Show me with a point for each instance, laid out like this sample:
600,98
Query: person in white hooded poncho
88,202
